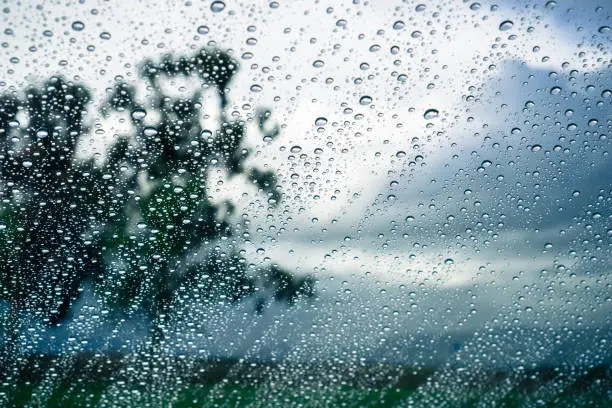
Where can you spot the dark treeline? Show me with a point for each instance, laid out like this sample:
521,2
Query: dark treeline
139,226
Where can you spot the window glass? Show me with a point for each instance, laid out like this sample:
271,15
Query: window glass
296,203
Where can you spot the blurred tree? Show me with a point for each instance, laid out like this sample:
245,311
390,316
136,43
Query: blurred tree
53,205
142,226
174,242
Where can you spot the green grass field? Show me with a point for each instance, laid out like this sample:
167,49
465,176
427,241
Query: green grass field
86,381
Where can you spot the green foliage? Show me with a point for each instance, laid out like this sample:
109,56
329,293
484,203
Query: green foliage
141,226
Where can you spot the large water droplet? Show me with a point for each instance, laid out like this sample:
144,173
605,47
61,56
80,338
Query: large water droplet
365,100
506,25
321,121
431,114
139,114
398,25
150,131
78,26
217,6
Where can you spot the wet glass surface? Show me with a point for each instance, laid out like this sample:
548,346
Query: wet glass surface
352,203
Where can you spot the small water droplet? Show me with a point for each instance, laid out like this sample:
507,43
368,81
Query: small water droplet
256,88
449,261
555,90
296,149
217,6
550,5
78,26
150,131
431,114
203,29
506,25
318,64
139,114
321,121
365,100
398,25
536,148
604,29
105,35
26,163
400,154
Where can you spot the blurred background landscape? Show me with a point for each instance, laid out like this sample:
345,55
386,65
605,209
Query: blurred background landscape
306,204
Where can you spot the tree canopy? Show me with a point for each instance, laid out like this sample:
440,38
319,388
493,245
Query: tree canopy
139,224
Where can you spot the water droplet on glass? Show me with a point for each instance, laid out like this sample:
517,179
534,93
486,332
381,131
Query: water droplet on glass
475,6
416,34
431,114
506,25
365,100
26,163
604,29
105,35
41,134
555,90
203,29
321,121
449,261
150,131
398,25
536,148
318,64
139,114
400,154
78,26
217,6
296,149
256,88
